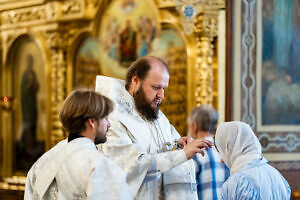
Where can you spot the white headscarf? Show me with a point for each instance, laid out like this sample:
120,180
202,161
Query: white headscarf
237,144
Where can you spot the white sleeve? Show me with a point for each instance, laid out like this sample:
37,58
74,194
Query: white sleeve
138,165
108,181
170,159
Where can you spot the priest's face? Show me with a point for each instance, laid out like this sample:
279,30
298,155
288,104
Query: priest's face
150,92
101,130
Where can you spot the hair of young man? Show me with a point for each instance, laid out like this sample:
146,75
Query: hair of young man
141,67
205,117
81,105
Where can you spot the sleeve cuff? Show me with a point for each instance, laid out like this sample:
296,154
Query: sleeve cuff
170,159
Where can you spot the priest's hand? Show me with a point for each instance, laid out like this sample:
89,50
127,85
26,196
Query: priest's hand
183,141
196,146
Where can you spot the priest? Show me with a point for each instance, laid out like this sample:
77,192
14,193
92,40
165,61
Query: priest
142,141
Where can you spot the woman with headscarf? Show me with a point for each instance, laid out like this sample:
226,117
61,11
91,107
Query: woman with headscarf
251,177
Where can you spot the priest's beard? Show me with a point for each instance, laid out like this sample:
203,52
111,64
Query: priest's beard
144,106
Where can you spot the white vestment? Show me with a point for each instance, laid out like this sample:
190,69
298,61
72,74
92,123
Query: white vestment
76,170
143,149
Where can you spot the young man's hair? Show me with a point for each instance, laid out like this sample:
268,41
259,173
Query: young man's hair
141,67
205,117
81,105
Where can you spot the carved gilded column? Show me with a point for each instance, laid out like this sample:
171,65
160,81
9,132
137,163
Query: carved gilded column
58,42
58,83
205,31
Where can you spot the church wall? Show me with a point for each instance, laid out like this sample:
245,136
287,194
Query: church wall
260,81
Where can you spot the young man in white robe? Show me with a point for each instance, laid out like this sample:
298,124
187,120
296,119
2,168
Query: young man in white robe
74,168
141,138
251,177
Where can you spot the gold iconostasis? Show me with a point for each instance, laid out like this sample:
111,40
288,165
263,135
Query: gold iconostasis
48,48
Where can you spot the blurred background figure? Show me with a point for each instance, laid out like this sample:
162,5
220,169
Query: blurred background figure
210,171
29,149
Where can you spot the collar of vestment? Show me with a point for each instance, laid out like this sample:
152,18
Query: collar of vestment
73,136
115,90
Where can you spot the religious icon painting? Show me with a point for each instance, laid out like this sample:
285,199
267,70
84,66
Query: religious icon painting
29,92
127,31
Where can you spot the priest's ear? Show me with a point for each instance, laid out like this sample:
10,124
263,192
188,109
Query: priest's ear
135,83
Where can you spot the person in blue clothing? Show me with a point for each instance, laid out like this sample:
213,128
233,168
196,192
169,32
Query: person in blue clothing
210,171
251,177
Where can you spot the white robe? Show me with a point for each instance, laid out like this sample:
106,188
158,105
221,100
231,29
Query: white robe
76,170
143,149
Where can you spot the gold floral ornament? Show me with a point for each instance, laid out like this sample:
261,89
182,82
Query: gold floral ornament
188,10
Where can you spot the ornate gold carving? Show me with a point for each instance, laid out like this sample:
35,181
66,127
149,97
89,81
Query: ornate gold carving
14,4
8,38
175,103
201,17
205,30
11,36
188,10
61,39
204,72
214,4
58,42
94,3
206,25
53,39
58,93
52,10
72,7
39,13
48,12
